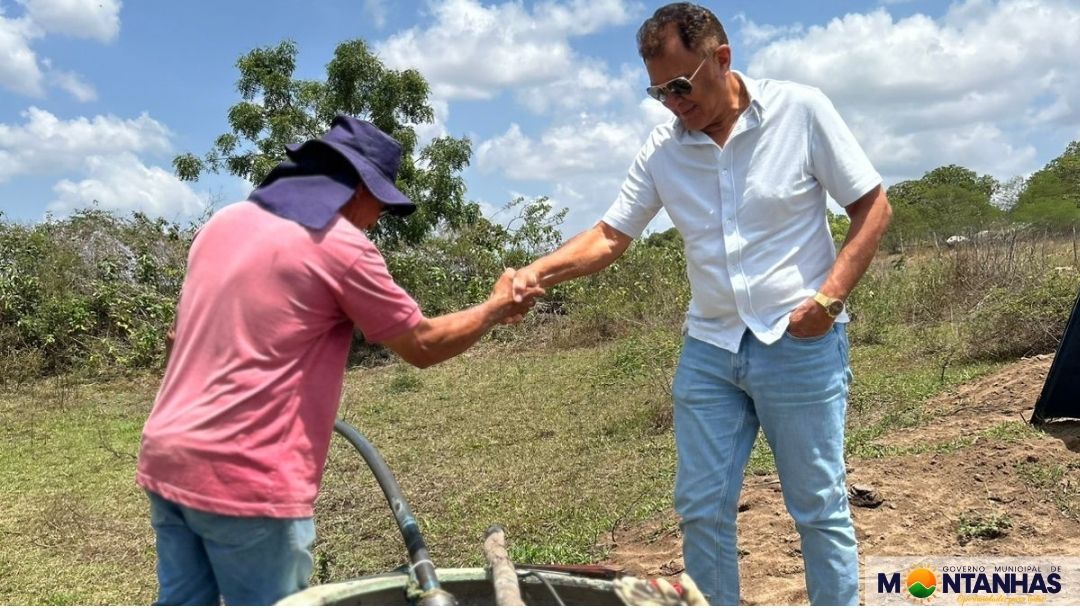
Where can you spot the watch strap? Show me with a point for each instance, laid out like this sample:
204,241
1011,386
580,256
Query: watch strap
833,306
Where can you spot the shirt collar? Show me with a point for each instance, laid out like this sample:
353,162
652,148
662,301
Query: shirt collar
757,111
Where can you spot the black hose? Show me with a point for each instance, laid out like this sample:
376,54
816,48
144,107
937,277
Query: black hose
432,593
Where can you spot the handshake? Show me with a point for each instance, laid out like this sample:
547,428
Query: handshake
514,295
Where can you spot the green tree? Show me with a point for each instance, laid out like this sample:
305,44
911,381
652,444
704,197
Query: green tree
670,238
839,223
945,201
278,109
962,177
1052,195
455,268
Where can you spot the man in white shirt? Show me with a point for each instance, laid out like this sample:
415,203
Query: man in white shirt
743,169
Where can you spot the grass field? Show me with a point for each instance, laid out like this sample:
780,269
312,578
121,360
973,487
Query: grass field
559,445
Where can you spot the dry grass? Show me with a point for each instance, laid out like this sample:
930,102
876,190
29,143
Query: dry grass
557,445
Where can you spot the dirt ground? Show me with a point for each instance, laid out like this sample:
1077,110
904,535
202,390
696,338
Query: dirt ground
928,491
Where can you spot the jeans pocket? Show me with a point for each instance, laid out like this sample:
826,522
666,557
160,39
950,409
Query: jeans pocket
808,339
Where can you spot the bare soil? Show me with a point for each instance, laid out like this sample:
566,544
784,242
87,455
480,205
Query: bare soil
1032,479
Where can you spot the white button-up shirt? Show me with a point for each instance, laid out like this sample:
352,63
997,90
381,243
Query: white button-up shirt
752,213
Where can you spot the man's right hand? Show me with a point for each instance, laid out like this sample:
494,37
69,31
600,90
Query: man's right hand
525,280
514,295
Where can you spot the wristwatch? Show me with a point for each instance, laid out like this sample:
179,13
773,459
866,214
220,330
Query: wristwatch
833,306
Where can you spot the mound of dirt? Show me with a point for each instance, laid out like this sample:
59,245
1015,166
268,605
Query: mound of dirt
967,465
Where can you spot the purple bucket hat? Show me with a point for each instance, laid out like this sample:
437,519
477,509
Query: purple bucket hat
322,174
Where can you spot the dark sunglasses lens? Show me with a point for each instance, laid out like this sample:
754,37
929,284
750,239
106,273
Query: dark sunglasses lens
680,86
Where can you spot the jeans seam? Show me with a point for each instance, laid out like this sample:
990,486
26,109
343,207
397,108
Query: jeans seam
720,512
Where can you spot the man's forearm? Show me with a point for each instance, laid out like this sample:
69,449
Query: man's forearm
585,254
435,340
449,335
870,217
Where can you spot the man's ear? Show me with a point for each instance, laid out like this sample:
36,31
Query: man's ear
723,56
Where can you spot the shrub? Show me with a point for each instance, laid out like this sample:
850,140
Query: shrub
1012,323
97,291
973,526
993,299
92,291
646,288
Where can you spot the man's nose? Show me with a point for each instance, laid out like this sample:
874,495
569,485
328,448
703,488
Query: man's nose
675,103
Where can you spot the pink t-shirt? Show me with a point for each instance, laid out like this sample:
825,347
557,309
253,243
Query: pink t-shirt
243,419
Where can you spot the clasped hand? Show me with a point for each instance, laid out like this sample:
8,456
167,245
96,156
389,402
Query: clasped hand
515,294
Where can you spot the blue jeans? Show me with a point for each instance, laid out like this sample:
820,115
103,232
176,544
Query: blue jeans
205,558
795,390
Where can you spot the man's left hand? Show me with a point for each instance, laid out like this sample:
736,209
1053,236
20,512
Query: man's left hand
809,320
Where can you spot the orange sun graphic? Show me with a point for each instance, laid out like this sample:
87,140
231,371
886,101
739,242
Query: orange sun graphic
921,583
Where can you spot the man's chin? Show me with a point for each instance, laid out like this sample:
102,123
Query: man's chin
690,124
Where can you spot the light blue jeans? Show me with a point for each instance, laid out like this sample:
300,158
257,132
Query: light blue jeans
795,390
205,558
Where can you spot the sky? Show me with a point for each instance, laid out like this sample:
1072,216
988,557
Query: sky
98,96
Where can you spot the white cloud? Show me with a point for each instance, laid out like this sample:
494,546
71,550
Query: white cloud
753,34
73,84
587,85
121,182
376,10
44,144
563,151
967,88
473,51
585,160
970,88
95,19
19,71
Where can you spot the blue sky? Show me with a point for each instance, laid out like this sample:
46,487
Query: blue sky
97,96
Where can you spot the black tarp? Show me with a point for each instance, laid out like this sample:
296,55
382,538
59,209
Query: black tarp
1060,396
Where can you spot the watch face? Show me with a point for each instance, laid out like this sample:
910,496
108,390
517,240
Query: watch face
835,308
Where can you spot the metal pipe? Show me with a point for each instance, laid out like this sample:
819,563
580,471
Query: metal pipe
423,570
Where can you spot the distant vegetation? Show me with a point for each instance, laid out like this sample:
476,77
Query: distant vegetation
95,292
955,201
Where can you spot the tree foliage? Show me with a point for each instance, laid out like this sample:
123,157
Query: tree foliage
456,268
839,223
276,109
945,201
92,291
1052,195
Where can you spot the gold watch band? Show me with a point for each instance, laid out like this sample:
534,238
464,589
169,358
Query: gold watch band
833,306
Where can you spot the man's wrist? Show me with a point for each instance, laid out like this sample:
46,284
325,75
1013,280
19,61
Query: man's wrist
494,311
833,306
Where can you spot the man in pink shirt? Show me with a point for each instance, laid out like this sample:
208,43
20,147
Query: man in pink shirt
233,452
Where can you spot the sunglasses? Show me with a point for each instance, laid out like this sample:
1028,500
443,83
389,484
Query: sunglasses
680,86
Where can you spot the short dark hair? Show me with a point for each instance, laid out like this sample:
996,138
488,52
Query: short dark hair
698,28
